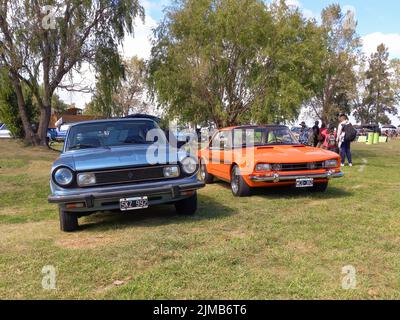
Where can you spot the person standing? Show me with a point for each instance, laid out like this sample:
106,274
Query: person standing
303,137
315,132
343,140
322,135
330,142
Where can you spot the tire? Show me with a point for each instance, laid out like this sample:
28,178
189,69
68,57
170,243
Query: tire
320,187
68,221
188,206
203,173
239,187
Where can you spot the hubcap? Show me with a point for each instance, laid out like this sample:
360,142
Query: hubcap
235,181
203,172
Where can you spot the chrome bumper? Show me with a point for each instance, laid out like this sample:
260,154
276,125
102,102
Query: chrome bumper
276,177
174,190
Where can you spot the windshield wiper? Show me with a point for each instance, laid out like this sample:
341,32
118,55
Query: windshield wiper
136,141
82,146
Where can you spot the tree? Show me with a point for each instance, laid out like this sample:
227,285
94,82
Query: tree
233,61
129,96
395,67
124,96
337,76
9,106
42,41
379,97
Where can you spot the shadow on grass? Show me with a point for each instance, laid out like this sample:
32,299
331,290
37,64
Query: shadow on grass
160,215
285,192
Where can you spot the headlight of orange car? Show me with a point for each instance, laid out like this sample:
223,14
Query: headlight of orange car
263,167
331,164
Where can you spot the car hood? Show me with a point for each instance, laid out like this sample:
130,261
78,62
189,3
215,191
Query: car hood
119,157
292,154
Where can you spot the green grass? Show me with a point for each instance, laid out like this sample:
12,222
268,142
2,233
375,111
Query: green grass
276,244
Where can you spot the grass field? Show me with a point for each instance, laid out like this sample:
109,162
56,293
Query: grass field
277,244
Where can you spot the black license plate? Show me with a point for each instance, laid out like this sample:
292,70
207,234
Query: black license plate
305,183
133,203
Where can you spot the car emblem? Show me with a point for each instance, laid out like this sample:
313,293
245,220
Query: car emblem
130,175
312,165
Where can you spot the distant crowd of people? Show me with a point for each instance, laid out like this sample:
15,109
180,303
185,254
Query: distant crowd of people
332,138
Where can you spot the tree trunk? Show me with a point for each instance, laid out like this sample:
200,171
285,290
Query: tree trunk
30,136
45,114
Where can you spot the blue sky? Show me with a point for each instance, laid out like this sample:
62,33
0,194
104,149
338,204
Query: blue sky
372,15
378,21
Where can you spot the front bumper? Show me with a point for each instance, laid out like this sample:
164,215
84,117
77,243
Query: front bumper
276,177
108,199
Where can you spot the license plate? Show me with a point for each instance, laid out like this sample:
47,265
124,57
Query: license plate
133,203
304,183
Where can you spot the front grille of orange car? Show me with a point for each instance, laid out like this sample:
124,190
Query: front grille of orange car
298,166
130,175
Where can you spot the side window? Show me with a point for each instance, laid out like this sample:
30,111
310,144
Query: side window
227,140
222,140
216,141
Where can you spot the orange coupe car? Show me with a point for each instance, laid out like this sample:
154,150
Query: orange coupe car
265,156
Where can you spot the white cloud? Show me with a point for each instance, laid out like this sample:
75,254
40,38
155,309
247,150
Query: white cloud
308,14
373,40
139,44
293,3
348,7
84,79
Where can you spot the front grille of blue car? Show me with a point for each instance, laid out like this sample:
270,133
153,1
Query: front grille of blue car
130,175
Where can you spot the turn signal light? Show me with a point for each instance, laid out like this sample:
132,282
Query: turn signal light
75,205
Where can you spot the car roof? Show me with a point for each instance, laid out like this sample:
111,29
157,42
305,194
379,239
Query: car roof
266,126
111,120
144,116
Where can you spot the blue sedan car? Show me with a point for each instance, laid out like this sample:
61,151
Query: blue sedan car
124,164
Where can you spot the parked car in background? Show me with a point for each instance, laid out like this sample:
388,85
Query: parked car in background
266,156
371,128
296,132
4,132
51,134
106,165
388,130
61,132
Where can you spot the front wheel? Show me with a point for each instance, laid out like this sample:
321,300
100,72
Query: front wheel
239,187
68,221
204,175
187,206
320,187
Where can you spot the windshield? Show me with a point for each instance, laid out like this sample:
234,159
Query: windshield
114,133
263,136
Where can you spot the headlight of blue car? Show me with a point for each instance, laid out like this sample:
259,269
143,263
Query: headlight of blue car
189,165
171,172
63,176
86,179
